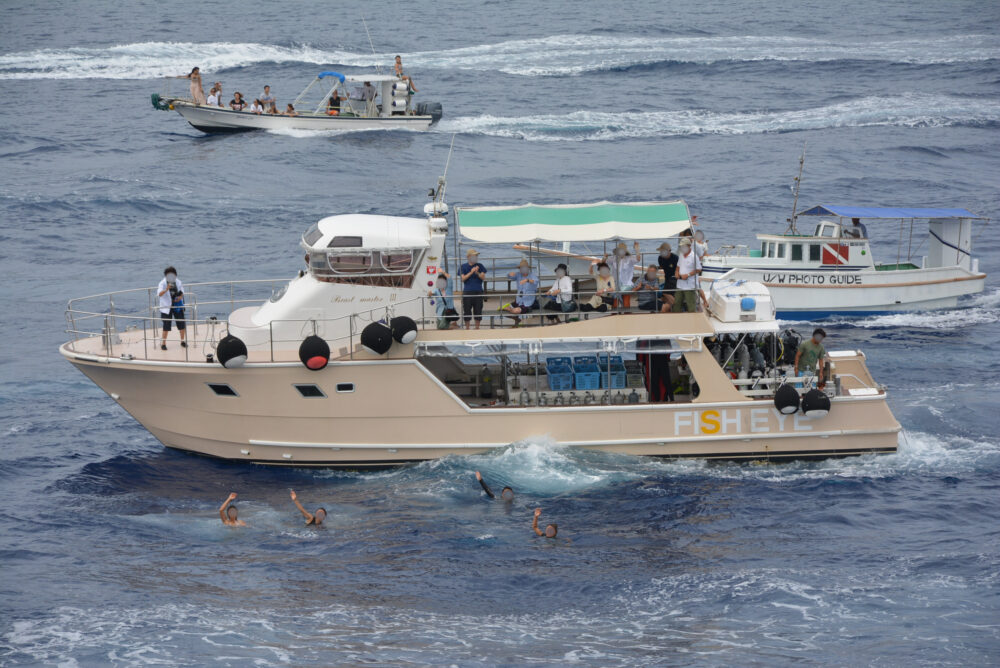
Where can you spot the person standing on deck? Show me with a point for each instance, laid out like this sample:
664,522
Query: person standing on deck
810,358
171,294
472,273
688,266
197,92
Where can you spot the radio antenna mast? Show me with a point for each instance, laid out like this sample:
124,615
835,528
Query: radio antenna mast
795,201
378,68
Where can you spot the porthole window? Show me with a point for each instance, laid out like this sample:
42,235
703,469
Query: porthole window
310,391
345,387
223,390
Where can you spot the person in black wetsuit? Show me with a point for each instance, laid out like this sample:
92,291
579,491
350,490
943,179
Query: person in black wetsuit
668,263
507,493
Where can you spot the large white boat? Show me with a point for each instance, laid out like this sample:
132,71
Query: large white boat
832,270
385,104
344,364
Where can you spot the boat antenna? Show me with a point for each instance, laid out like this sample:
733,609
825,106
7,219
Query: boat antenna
795,201
378,68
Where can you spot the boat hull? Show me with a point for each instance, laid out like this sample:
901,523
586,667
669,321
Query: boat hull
806,294
398,412
215,119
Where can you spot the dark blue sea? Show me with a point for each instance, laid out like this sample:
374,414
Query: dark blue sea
111,551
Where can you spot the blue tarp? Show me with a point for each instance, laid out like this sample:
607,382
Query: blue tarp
886,212
331,74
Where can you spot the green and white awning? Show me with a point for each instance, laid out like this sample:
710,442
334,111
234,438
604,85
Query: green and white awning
574,222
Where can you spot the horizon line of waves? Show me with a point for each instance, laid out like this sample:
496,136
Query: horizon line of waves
555,55
907,110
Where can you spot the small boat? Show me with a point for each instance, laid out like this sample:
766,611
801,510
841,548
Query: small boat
347,364
831,270
386,104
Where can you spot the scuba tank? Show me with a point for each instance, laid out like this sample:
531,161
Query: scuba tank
486,389
633,397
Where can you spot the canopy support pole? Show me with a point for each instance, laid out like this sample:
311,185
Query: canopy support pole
899,246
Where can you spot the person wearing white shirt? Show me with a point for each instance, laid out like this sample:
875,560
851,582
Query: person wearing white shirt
171,296
561,293
213,98
688,266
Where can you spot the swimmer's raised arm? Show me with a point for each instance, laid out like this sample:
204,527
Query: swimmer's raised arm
534,522
225,504
305,513
486,487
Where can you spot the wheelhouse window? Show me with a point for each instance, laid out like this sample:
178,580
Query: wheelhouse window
796,252
396,261
781,250
310,391
354,263
222,390
770,249
312,235
814,252
345,242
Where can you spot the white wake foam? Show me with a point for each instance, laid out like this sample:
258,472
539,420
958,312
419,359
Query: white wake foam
545,56
907,110
983,309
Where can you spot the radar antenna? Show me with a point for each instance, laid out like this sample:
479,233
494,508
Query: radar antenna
795,201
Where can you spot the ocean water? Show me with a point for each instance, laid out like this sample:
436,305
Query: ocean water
111,551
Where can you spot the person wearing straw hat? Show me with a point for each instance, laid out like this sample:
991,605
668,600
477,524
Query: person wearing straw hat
473,273
688,266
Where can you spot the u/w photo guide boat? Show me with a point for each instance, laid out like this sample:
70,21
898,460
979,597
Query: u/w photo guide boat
831,271
345,364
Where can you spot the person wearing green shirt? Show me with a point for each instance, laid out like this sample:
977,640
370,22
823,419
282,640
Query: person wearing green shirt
810,357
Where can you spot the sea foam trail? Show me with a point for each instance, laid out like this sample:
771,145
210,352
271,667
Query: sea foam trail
556,55
908,110
983,309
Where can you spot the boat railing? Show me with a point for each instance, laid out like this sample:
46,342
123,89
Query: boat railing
732,250
128,324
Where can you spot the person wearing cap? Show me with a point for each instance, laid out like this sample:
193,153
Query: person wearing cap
668,263
622,264
688,266
527,291
810,358
561,294
472,273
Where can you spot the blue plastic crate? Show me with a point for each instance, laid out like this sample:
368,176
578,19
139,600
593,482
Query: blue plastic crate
585,359
617,379
558,361
588,376
602,359
561,380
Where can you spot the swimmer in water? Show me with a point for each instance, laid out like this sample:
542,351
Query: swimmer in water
228,513
314,519
507,493
550,530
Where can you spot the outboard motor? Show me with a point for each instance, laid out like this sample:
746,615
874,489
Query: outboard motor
786,399
432,109
376,338
815,404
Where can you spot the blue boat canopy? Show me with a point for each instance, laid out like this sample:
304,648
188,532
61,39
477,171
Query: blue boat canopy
886,212
323,75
